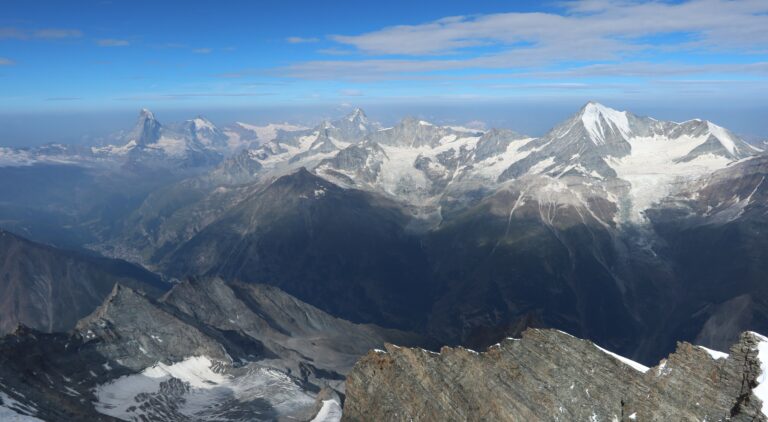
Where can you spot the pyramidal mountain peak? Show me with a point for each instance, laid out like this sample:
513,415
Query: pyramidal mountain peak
357,114
147,129
604,124
146,113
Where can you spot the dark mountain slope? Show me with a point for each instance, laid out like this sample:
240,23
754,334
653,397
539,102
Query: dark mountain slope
716,236
342,250
515,261
49,289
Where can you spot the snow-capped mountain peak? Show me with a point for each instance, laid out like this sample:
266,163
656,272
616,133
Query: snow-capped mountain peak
201,122
147,129
601,122
358,115
146,114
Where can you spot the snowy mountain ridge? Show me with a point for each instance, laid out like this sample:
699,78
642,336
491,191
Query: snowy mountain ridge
632,161
629,160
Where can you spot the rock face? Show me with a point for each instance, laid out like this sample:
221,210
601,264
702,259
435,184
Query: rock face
551,376
49,289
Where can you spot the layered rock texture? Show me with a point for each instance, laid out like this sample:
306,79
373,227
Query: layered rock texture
551,376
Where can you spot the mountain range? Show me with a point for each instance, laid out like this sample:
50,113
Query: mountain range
478,233
278,255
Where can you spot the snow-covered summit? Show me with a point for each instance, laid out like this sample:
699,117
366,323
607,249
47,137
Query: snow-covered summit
201,122
357,115
146,114
602,122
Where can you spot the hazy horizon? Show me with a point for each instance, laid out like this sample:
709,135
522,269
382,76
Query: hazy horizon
533,118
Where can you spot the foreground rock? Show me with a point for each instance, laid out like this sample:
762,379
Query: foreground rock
205,351
549,375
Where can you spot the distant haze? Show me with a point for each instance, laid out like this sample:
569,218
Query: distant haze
533,118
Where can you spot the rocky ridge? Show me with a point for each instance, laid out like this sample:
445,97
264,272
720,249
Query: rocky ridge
549,375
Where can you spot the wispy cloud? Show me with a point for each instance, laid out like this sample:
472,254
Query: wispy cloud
54,33
334,51
609,37
617,24
300,40
45,33
6,61
189,95
196,50
63,99
553,85
241,73
112,42
170,45
12,33
351,93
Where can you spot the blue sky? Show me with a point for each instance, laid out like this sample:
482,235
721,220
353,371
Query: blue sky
704,56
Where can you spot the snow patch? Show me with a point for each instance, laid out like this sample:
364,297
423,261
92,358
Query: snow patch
723,136
201,123
114,149
714,353
542,165
654,168
13,411
761,391
330,412
636,366
269,132
131,396
174,147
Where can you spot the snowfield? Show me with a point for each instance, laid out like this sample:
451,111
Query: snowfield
197,388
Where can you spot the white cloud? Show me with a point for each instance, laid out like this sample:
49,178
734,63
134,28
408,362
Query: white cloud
54,33
300,40
112,42
351,93
202,50
519,66
45,33
588,38
618,26
6,61
190,95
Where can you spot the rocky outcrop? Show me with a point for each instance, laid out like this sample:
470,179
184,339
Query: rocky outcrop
551,376
137,332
